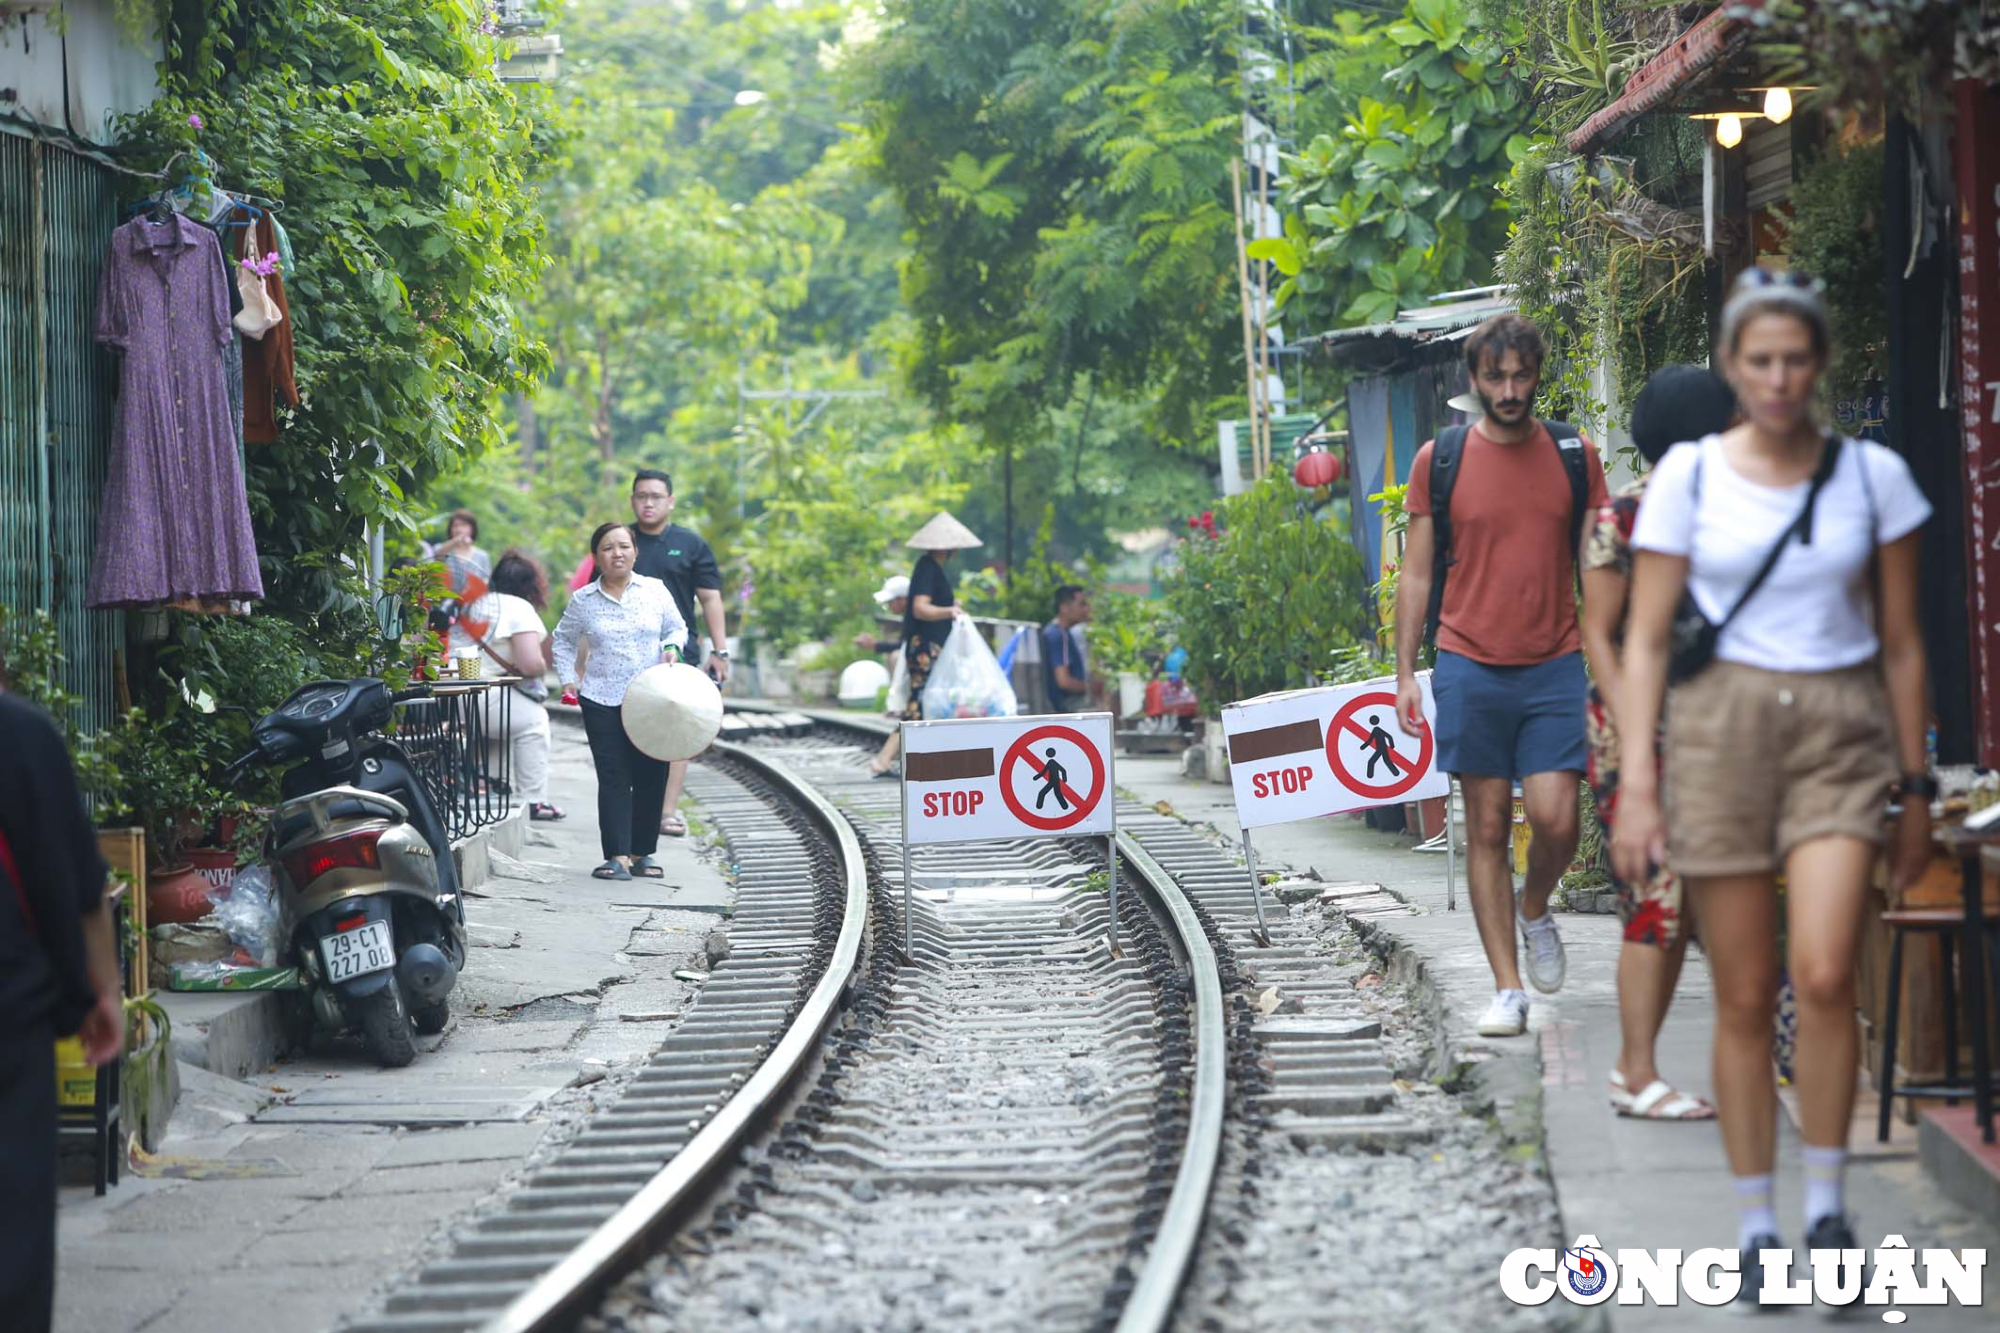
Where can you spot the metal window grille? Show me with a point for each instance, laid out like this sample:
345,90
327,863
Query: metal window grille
57,394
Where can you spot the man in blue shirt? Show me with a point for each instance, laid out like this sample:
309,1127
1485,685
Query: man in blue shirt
1064,671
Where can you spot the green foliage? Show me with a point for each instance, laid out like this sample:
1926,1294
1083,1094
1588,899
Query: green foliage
1833,233
1271,595
1880,55
1128,633
832,525
400,160
1400,203
1062,173
31,661
1395,522
1030,593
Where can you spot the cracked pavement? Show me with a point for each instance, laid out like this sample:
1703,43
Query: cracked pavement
310,1187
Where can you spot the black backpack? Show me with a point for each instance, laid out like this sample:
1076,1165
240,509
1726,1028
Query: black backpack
1446,454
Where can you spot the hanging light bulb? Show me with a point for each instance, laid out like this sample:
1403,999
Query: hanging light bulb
1729,130
1778,105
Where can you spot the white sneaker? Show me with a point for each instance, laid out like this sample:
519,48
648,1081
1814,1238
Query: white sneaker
1507,1016
1546,963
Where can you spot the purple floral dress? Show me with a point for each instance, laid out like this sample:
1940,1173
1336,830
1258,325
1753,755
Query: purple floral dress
174,526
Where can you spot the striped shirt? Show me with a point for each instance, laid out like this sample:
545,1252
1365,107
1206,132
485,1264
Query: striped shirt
626,635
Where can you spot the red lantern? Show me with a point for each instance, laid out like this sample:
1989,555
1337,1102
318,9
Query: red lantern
1317,467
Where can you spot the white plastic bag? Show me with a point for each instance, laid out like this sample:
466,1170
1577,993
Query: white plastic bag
899,687
966,680
250,913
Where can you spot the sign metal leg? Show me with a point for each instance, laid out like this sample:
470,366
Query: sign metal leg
1256,891
903,804
1451,845
1111,844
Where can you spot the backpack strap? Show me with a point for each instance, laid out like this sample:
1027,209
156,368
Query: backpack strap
1569,448
1447,451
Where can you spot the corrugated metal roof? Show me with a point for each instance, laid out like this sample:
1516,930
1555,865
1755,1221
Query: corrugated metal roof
1674,72
1425,324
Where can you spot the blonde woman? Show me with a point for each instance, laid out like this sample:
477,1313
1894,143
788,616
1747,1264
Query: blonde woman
1782,751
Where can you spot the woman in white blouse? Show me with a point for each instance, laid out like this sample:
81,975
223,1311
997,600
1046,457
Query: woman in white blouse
1781,751
631,623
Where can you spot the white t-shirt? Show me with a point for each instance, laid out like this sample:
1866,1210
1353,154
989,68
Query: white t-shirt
505,615
1814,611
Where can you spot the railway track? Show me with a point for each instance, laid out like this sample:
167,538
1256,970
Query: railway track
1016,1126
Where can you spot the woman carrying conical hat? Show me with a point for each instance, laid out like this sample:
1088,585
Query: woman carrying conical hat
928,615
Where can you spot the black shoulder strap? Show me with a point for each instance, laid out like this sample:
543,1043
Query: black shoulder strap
1447,451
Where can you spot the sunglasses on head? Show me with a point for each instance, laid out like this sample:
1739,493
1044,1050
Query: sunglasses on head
1779,277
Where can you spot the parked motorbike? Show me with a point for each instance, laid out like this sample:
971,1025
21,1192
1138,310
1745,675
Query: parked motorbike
373,916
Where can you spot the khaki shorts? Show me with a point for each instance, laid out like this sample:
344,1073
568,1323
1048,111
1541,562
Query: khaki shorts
1758,762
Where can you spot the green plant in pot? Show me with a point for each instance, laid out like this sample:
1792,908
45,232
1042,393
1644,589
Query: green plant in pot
168,788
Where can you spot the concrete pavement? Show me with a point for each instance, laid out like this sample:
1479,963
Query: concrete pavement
292,1198
1633,1184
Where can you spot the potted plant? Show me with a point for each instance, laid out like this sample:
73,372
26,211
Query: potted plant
167,787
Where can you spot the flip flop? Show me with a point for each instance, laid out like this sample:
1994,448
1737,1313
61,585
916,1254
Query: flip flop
673,826
1658,1100
611,870
643,868
543,812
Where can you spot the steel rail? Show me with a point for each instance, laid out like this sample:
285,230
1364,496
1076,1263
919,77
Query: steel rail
1157,1285
559,1295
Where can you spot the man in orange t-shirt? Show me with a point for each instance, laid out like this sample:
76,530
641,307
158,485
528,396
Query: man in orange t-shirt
1509,681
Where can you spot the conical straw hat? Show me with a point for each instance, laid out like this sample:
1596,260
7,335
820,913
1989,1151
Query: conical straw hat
944,533
672,712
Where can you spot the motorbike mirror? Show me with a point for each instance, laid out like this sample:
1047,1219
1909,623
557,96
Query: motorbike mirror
389,615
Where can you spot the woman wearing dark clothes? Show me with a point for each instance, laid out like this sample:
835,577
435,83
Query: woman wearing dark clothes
927,619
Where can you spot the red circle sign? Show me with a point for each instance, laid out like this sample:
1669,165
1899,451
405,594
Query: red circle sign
1344,724
1080,806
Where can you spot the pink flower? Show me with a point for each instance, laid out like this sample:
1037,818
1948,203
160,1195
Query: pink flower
194,119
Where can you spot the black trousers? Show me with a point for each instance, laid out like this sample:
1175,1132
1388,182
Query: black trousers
28,1178
631,788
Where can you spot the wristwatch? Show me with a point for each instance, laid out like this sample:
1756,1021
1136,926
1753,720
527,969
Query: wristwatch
718,652
1918,784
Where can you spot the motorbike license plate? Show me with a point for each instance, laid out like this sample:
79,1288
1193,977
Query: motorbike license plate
357,952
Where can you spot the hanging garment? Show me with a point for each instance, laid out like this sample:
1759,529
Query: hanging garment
174,524
267,362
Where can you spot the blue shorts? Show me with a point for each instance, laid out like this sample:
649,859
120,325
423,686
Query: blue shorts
1509,721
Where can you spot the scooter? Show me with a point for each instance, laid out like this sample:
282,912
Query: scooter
373,917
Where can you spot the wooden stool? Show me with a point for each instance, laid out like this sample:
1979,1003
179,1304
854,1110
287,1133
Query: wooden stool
1978,955
1950,926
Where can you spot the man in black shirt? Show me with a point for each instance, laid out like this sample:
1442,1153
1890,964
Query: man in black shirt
679,558
58,976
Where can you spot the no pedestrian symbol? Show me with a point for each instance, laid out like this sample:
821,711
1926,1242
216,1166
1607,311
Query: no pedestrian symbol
1369,753
1052,778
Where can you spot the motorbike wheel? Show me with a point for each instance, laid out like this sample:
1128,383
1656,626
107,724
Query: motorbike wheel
385,1027
432,1018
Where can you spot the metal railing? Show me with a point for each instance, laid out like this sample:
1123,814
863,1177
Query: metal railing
457,740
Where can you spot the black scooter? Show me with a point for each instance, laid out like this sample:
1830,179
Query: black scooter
373,916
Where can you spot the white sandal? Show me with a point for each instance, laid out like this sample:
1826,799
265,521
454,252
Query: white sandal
1657,1101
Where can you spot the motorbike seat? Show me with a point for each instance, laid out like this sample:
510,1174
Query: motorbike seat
301,821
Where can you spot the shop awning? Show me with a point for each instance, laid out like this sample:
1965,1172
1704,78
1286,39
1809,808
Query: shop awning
1676,71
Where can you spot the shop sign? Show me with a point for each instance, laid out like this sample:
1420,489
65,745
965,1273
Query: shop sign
1978,172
